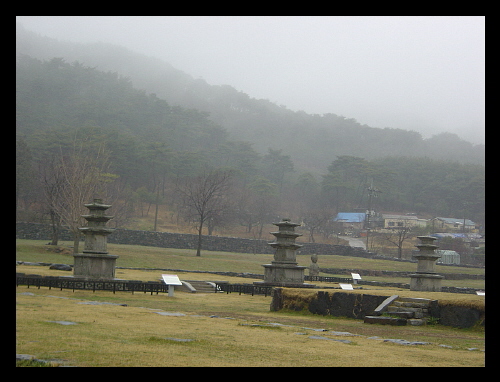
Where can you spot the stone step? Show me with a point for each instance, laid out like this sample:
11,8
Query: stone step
410,304
383,320
202,286
402,314
416,321
415,299
392,308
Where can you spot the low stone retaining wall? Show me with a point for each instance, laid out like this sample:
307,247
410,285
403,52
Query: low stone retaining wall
354,305
379,273
38,231
340,304
457,315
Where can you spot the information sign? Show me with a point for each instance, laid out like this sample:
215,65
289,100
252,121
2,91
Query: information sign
346,286
171,279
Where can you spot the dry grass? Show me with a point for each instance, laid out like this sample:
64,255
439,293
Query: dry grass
112,335
154,257
133,335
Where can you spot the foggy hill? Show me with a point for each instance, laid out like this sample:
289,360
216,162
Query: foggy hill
313,141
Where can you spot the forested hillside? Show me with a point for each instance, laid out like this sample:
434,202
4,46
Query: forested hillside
80,108
312,141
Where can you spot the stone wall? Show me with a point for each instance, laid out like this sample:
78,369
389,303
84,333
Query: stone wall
354,305
339,304
37,231
459,316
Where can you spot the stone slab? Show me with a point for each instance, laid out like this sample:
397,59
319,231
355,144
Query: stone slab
64,322
385,320
177,314
330,339
379,309
179,339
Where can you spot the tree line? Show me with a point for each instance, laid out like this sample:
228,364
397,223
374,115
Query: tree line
78,128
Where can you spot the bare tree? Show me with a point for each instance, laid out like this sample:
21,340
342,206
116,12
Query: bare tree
317,220
51,182
398,236
82,176
205,198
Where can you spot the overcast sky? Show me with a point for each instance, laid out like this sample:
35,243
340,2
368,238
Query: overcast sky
422,73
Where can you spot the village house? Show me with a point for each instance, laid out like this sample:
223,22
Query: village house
349,223
453,225
400,221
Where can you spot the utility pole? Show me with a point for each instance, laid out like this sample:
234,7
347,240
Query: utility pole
465,206
372,192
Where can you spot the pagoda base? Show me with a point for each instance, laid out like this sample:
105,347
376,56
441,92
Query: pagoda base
429,282
284,284
94,266
284,275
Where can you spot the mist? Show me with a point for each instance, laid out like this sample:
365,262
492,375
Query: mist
421,73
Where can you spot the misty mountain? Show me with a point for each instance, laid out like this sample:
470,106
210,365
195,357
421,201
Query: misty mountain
312,141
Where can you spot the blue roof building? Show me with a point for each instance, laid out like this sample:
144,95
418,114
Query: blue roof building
350,217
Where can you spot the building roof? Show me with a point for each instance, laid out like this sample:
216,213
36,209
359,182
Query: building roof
401,217
350,217
440,235
456,220
447,252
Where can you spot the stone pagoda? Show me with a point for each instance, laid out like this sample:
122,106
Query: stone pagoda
95,262
284,271
426,279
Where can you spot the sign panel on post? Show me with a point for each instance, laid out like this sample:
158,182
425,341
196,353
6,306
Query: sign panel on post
355,277
171,280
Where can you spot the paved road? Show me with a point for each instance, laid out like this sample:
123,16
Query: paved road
355,241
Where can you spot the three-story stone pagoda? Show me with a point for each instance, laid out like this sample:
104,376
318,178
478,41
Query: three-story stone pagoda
94,262
284,271
426,279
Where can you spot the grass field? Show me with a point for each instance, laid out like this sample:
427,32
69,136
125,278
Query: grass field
240,335
153,257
